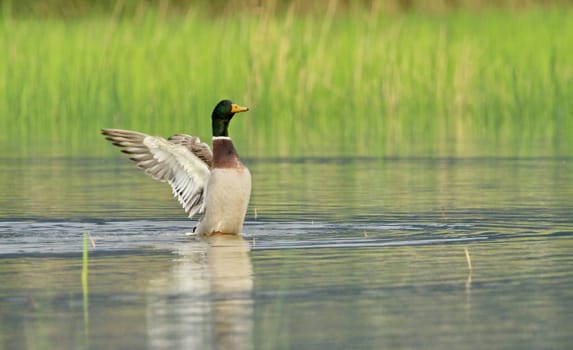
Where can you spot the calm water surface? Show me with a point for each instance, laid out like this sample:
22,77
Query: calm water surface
337,254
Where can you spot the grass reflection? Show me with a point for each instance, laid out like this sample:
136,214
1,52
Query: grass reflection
85,289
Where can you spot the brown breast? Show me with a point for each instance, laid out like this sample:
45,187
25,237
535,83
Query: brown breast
224,154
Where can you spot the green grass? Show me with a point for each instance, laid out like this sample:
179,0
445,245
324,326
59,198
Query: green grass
358,83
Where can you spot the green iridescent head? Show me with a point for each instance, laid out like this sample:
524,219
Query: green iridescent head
222,115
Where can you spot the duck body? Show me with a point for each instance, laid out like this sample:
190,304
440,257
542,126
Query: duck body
228,191
214,184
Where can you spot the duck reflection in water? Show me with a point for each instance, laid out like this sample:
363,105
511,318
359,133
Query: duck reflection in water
205,301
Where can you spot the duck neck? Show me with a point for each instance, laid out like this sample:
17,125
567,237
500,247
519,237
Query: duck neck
220,127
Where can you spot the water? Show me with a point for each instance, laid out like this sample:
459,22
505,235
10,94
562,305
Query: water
337,254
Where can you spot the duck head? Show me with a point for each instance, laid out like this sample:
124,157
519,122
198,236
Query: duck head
222,115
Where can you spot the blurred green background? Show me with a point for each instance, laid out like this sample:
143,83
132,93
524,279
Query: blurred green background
323,78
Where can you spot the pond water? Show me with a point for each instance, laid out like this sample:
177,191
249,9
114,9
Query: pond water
337,254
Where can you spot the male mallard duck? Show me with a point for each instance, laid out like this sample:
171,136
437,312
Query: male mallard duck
215,184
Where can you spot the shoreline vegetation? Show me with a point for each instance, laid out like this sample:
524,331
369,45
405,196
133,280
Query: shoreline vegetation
133,8
463,79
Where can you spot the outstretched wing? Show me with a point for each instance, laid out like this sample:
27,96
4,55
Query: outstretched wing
192,143
174,163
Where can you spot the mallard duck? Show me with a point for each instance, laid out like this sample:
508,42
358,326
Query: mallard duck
214,184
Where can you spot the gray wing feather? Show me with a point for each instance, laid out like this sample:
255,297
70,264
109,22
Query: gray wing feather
171,162
194,144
